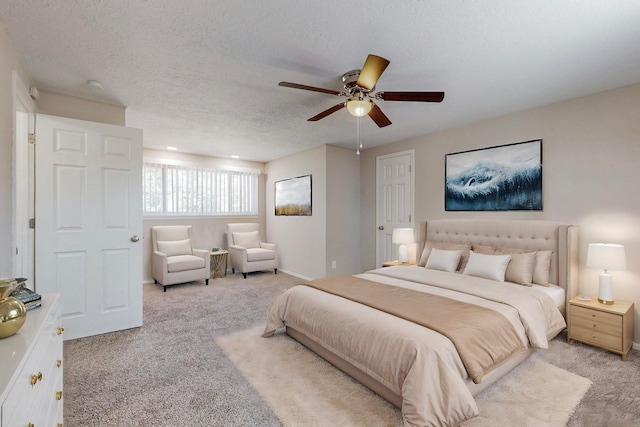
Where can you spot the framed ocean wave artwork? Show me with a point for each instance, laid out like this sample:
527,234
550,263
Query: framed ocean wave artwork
500,178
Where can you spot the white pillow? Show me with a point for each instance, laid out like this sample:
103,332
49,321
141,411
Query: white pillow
487,266
175,247
247,240
441,259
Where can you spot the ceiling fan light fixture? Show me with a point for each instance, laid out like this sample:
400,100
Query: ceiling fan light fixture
359,107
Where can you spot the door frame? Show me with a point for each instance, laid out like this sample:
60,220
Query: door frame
22,179
412,155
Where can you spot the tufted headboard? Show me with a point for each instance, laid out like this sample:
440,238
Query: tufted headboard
521,234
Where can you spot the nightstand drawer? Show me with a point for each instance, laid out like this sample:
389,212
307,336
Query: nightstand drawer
595,315
599,338
599,326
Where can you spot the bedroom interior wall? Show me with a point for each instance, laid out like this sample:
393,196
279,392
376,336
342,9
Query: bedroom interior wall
591,148
9,61
343,211
208,232
61,105
301,240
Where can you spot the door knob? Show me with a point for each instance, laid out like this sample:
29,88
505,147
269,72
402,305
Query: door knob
135,238
381,227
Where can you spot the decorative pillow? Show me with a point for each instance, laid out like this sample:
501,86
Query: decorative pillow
247,240
542,268
487,266
429,245
520,268
441,259
175,247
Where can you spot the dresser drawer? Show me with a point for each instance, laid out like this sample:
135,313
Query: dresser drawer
596,325
597,337
595,315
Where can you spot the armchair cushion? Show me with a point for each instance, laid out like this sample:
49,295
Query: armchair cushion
175,247
250,239
259,254
184,262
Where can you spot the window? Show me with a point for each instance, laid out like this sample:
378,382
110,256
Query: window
190,190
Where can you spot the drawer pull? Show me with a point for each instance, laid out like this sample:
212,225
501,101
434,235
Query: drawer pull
59,424
58,395
59,330
32,425
35,378
58,363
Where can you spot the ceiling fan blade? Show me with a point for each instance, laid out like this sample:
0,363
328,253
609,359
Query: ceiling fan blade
312,88
411,96
325,113
373,68
378,117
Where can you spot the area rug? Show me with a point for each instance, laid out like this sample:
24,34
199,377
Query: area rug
304,390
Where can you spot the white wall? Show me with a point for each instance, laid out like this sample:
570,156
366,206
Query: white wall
591,155
9,61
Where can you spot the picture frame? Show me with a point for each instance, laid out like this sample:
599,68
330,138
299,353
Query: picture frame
293,196
498,178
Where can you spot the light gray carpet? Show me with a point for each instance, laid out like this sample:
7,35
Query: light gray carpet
170,372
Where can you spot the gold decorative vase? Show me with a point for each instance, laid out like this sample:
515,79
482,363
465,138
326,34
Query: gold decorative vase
12,311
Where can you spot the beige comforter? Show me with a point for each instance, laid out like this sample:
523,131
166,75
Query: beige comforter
417,363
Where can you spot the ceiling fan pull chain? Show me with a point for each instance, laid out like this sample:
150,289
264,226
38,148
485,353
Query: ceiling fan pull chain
358,140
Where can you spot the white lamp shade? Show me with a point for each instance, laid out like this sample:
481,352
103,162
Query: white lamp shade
608,256
402,235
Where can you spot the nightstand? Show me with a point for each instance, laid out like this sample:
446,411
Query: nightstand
609,327
393,263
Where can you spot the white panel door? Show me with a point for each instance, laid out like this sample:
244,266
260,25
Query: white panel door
394,200
88,219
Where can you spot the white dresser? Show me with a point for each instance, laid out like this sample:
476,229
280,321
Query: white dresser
31,369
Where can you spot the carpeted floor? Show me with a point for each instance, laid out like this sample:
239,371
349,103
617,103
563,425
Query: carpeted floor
170,372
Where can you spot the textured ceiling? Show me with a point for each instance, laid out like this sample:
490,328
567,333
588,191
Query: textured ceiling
203,75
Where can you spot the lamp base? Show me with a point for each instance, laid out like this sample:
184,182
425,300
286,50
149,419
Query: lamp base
605,296
403,253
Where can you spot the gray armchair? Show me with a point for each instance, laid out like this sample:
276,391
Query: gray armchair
174,260
246,250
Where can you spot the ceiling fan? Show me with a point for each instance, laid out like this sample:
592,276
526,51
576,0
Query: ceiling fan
358,85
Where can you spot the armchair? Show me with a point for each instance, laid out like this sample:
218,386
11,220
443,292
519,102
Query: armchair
246,250
174,260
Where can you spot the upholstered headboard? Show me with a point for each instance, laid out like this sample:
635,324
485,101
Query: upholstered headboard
533,235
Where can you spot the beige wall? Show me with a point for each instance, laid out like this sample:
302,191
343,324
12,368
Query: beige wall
208,232
591,153
308,244
9,61
57,104
301,239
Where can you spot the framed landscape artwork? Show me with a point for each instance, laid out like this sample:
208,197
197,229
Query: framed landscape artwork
500,178
293,196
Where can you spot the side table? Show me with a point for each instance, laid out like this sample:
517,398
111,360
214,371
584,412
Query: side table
218,264
609,327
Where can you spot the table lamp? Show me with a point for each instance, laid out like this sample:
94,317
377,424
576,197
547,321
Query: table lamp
402,236
608,256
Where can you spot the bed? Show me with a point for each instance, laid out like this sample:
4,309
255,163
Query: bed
430,339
